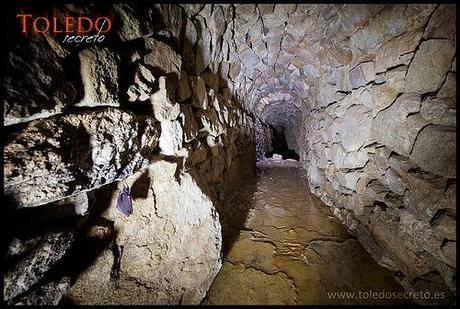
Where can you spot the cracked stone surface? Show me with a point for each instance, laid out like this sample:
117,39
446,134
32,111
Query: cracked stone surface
290,249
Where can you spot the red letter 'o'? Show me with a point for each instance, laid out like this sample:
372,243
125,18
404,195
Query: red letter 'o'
47,22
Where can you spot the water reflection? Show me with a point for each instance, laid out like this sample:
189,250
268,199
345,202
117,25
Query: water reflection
290,249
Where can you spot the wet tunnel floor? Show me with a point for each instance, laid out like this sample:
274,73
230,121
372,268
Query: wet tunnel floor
291,250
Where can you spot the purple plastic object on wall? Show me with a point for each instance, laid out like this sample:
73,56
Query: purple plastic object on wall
124,204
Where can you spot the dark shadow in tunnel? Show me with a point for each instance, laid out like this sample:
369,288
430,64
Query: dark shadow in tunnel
232,211
140,188
35,227
280,146
92,239
237,206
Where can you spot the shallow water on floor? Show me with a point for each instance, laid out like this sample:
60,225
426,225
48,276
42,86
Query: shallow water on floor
287,248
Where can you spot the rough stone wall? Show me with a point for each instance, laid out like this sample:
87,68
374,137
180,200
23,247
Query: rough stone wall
366,95
380,142
264,137
166,252
152,105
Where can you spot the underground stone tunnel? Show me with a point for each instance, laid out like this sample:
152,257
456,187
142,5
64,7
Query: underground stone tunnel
275,154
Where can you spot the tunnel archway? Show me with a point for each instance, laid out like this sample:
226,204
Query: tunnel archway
184,103
284,118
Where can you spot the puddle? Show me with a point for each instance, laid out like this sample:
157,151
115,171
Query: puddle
291,250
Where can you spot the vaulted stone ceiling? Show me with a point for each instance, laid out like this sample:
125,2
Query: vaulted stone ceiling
289,58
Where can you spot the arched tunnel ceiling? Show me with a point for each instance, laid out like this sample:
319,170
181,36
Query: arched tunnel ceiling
281,115
283,55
